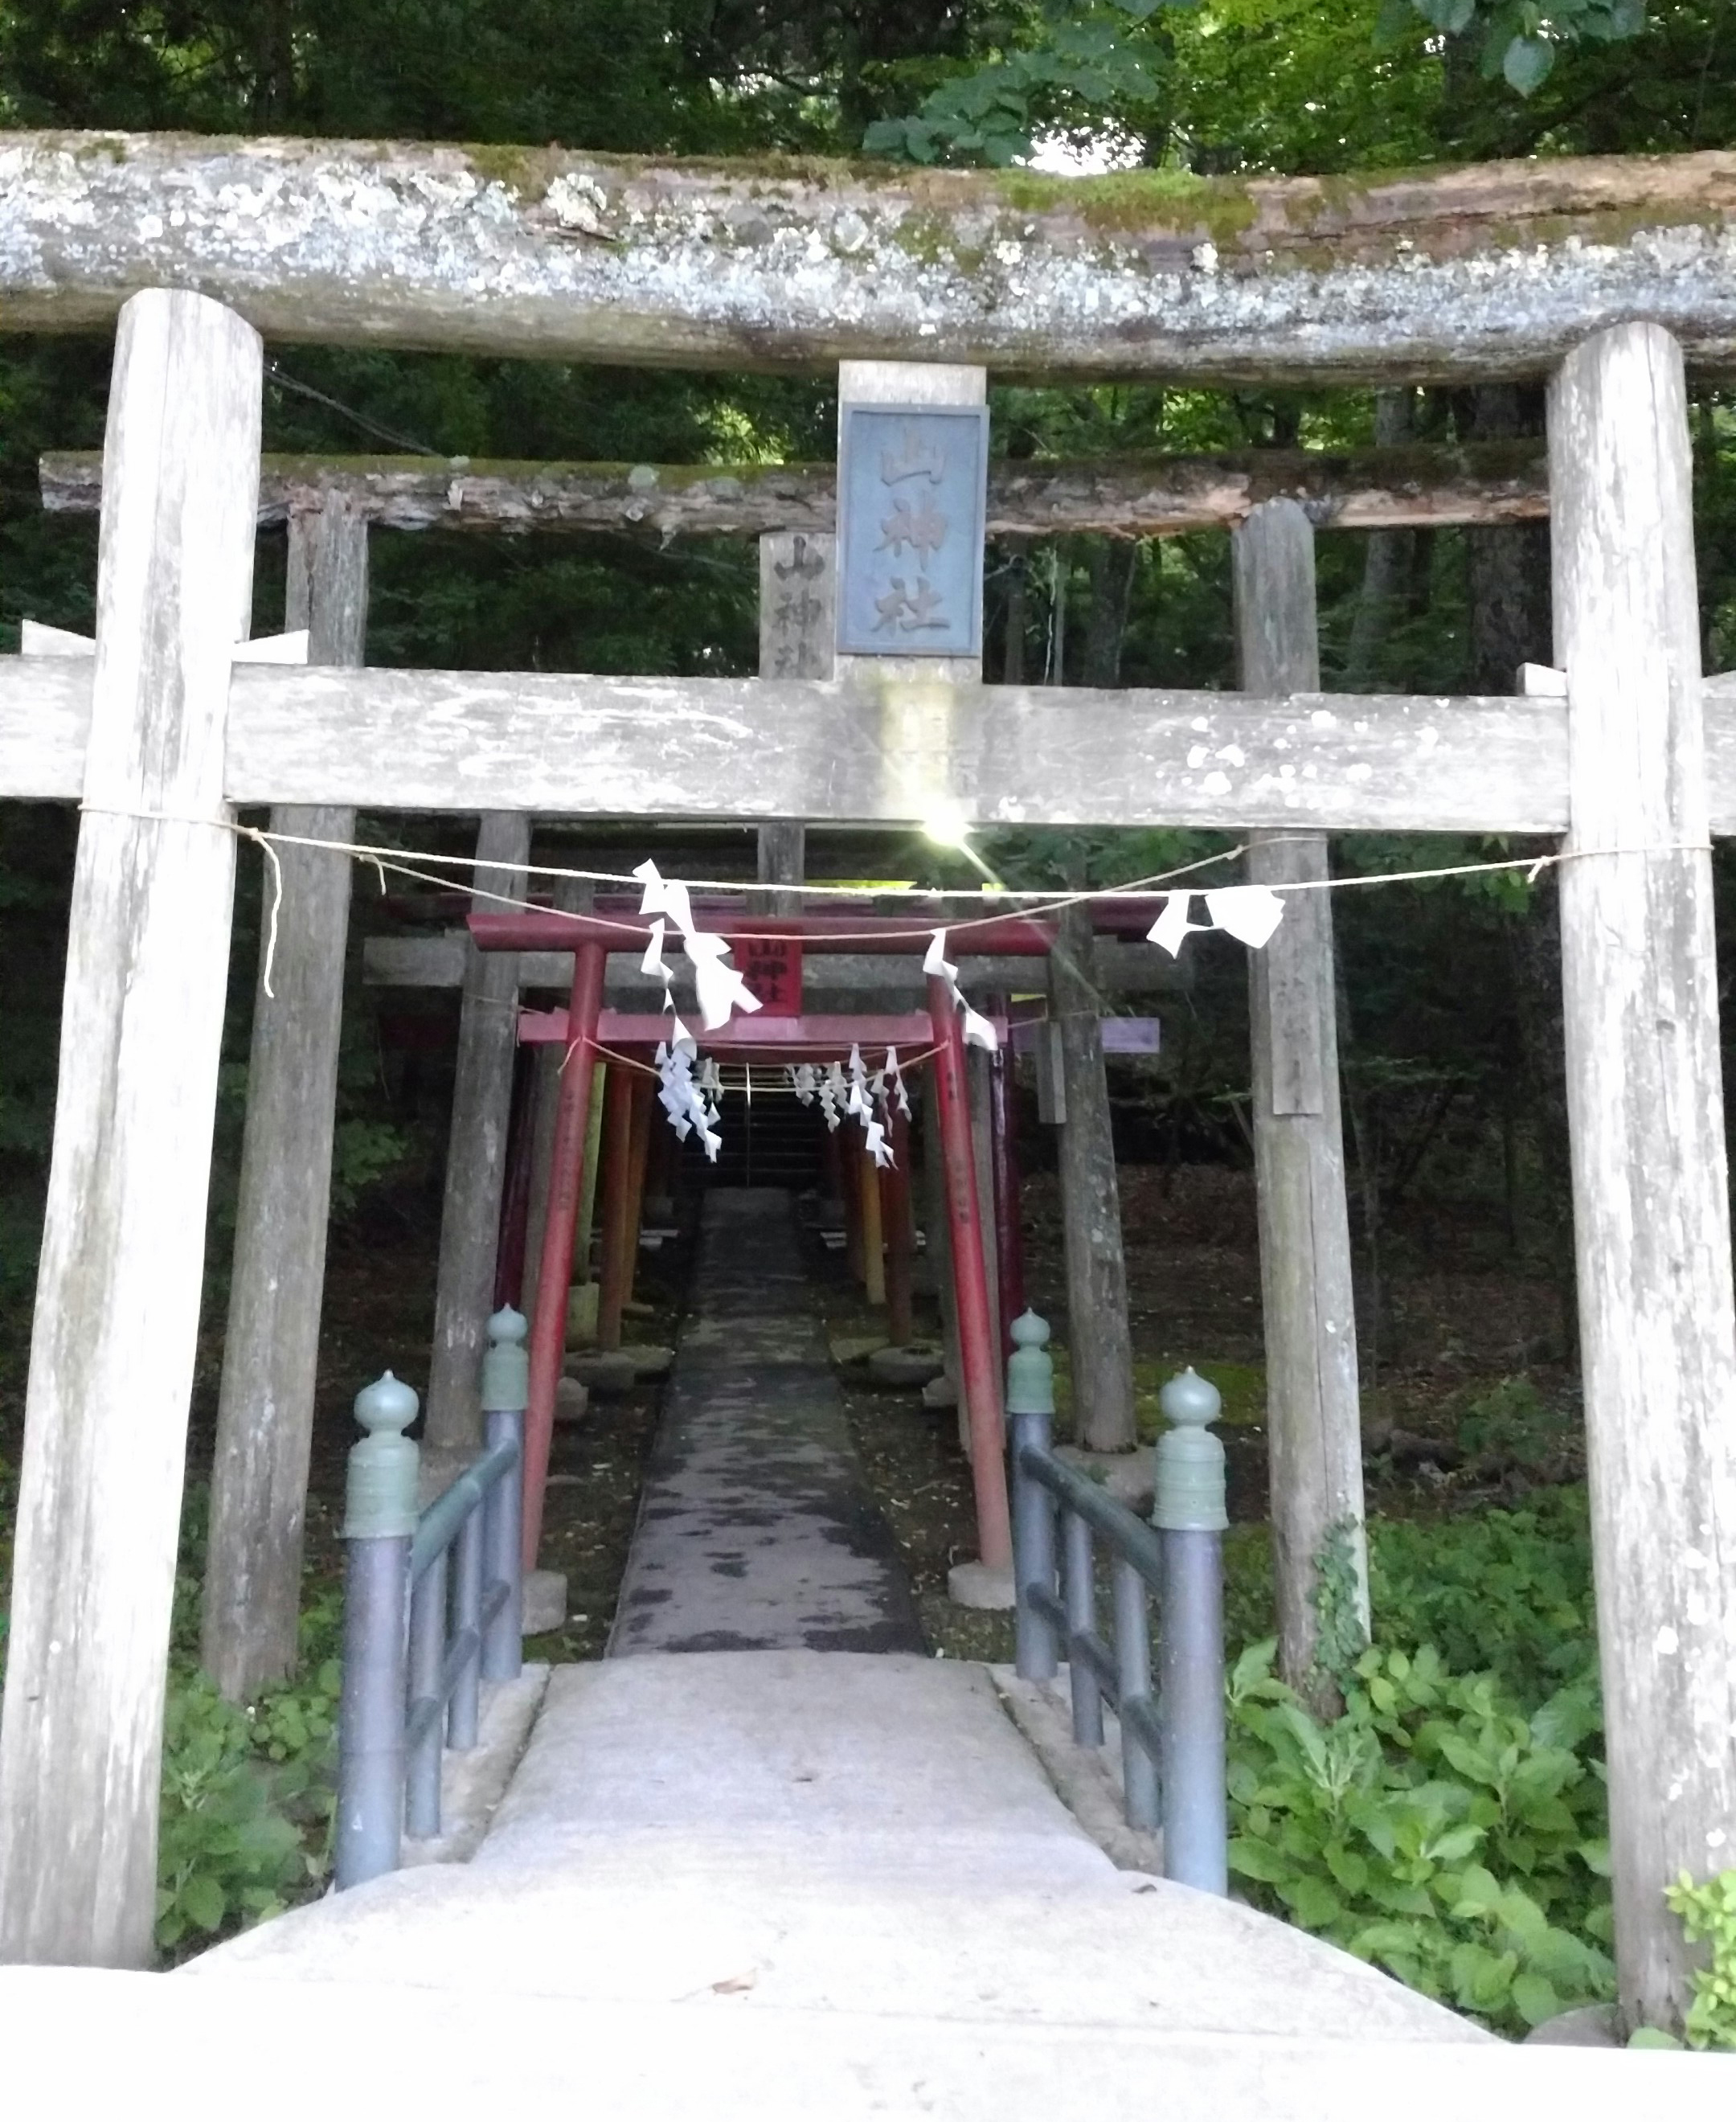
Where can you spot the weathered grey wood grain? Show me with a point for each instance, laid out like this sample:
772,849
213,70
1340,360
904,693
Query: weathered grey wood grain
123,1251
1646,1110
271,1348
551,969
1099,1340
754,748
476,1155
1421,485
798,620
758,748
1397,275
1314,1418
1417,486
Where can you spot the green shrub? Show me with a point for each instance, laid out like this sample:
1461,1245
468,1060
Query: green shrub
1433,1829
248,1795
1708,1911
246,1798
1504,1591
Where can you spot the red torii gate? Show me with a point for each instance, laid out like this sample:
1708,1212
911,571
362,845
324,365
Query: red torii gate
585,1024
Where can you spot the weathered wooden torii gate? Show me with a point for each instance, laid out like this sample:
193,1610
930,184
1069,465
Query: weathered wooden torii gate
1601,274
329,504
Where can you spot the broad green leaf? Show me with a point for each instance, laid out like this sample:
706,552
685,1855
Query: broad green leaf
1257,1860
202,1900
1312,1902
1526,63
1534,1998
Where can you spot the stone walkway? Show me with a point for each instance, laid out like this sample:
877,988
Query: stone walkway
755,1532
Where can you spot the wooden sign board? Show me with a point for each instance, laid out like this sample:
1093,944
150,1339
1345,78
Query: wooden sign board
912,484
772,967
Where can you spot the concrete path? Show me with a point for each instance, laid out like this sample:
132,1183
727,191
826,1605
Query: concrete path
825,1835
755,1532
790,1882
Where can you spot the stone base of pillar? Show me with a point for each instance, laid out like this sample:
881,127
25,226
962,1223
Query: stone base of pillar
983,1590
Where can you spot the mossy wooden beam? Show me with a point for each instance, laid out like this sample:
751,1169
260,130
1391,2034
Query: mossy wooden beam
1490,270
1129,496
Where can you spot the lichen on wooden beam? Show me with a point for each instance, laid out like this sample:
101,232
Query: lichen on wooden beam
1430,275
1124,497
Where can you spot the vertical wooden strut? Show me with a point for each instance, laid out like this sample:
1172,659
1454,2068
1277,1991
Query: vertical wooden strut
271,1348
1645,1108
124,1239
1313,1420
980,1383
560,1223
1099,1341
572,894
618,1207
476,1161
798,577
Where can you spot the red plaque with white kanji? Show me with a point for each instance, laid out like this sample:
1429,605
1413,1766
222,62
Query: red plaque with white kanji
772,967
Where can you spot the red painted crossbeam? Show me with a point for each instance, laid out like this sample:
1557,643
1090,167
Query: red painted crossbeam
1004,936
743,1038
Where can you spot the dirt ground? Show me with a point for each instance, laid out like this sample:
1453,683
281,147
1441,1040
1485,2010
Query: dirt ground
1462,1313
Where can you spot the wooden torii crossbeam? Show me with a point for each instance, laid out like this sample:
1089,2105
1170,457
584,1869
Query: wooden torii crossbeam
1408,486
1585,270
1393,276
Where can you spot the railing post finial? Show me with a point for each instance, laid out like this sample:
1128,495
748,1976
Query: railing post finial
1030,1369
506,1366
380,1491
1188,1459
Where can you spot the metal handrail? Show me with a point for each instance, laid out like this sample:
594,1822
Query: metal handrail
1172,1764
433,1606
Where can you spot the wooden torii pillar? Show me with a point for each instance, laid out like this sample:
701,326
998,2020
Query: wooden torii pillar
1313,1420
270,1349
476,1162
1645,1110
116,1324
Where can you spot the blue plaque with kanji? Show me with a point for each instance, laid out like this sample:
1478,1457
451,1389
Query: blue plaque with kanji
911,483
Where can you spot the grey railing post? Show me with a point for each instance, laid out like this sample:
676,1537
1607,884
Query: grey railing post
464,1714
1189,1514
1030,1409
1133,1683
1079,1570
379,1521
427,1722
506,1389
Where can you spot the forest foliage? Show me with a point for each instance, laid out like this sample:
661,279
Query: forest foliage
1450,1009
